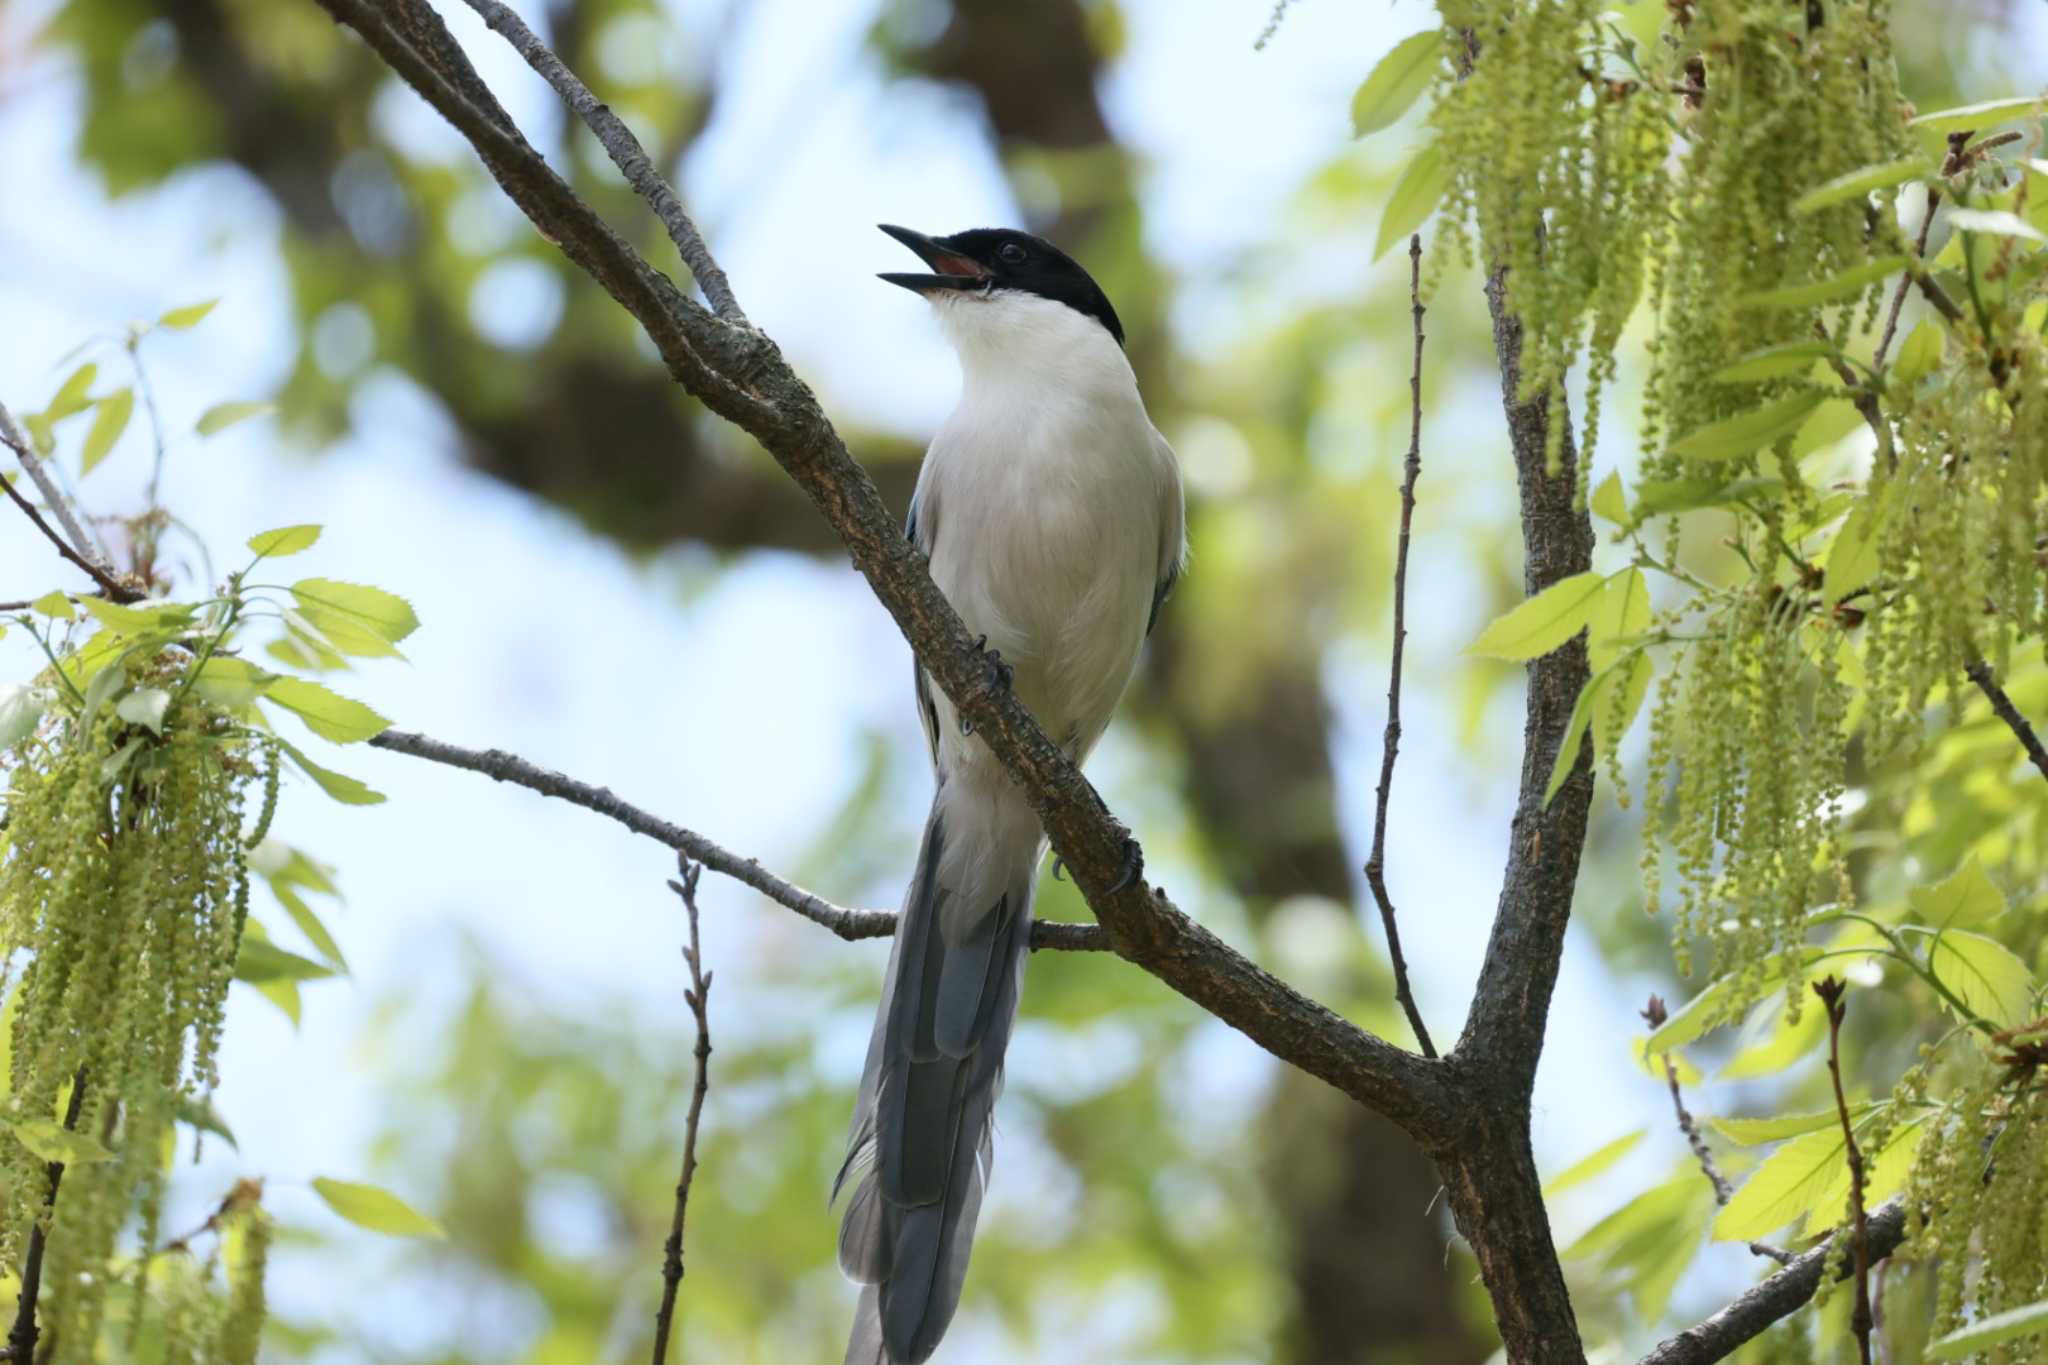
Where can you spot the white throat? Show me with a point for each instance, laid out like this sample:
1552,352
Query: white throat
1009,338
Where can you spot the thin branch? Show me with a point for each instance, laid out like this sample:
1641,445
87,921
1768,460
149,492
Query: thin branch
849,924
626,153
1830,990
86,558
1891,322
738,373
2001,705
1376,865
21,1338
109,586
1777,1297
698,997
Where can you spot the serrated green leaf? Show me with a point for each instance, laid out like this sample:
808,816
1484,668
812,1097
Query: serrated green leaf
1543,622
1786,1188
1995,223
1965,896
52,1141
1985,975
377,1210
1852,558
1621,613
1609,501
1785,1044
1858,183
21,710
327,713
1975,116
261,960
231,682
221,416
145,706
108,423
1414,198
55,605
1755,1132
1838,286
285,540
386,613
1717,1003
1774,362
143,619
1885,1172
1587,1167
1396,82
339,786
1918,354
1737,436
70,396
2014,1323
179,319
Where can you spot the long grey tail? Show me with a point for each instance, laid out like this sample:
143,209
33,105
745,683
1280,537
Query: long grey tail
921,1141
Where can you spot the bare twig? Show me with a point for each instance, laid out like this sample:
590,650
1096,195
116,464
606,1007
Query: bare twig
21,1338
1891,322
2001,705
1778,1297
848,923
110,586
86,557
1376,865
698,995
625,152
1830,990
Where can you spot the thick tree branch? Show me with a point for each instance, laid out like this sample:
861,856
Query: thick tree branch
698,997
626,153
849,924
740,375
1376,865
2002,707
1777,1297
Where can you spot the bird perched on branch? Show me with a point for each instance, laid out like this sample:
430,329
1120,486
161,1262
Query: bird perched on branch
1050,508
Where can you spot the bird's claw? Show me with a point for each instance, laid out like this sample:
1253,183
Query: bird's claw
1000,675
1134,866
1059,868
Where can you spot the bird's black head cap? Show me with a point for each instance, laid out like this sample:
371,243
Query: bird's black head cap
991,259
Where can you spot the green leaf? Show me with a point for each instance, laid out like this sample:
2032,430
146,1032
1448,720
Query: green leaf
327,713
1919,354
1651,1063
2010,1325
1785,1044
339,786
107,425
179,319
221,416
1831,421
1985,975
1718,1003
1852,559
139,620
1858,183
310,925
201,1115
52,1141
1737,436
1609,501
70,396
261,960
282,993
1621,613
1414,198
1587,1167
1774,362
1967,896
1543,622
285,540
1397,82
388,614
1996,223
21,710
1612,719
1754,1132
1976,116
145,706
1885,1172
1786,1188
231,682
1657,497
377,1210
1839,286
54,605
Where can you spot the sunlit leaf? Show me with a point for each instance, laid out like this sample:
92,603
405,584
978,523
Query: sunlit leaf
285,540
108,423
261,960
1786,1188
1753,1132
1396,82
71,394
310,925
1739,435
1852,559
137,620
178,319
1985,975
1996,223
200,1114
1785,1044
21,710
1585,1168
386,613
1543,622
327,713
1858,183
221,416
231,682
1609,502
339,786
1414,198
1965,896
377,1210
55,605
2010,1325
1976,116
1919,353
145,706
1774,362
52,1141
1838,286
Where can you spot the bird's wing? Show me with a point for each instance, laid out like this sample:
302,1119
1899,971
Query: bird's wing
1173,535
918,528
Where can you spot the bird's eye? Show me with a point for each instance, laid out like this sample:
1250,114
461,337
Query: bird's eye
1011,254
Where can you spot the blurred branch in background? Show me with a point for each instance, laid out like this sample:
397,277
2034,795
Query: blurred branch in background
698,998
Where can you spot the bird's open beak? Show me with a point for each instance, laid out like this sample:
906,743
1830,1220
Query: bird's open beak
954,271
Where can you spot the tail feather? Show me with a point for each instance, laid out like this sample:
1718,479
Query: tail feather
922,1137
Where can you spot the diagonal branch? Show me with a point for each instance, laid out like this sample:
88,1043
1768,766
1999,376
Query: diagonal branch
626,153
739,374
849,924
1376,865
2001,705
1780,1296
79,550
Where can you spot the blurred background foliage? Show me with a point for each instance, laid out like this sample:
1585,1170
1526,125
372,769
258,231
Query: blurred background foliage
1142,1212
